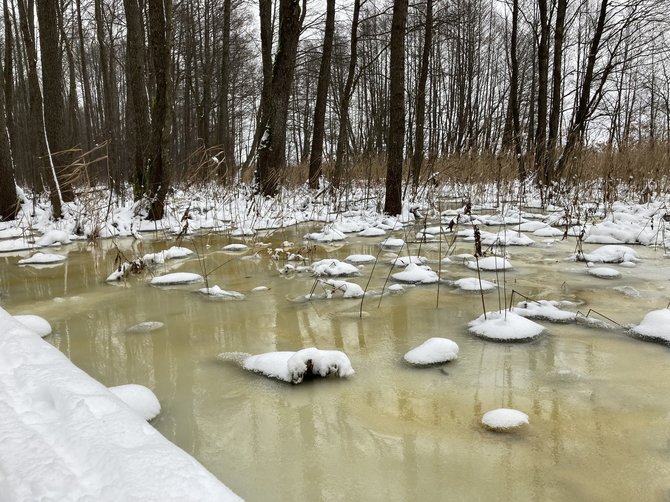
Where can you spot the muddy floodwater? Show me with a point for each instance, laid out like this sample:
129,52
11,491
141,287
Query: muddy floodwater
597,399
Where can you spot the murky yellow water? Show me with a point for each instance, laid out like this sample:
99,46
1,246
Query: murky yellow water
597,400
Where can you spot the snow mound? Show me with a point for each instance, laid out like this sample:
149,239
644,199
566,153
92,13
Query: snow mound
176,278
416,274
173,253
655,326
14,245
360,258
504,419
392,243
35,324
334,268
67,437
294,367
235,247
403,261
610,254
530,226
348,289
145,327
505,326
328,235
222,294
372,232
474,284
548,232
53,237
604,272
43,259
138,398
490,263
433,351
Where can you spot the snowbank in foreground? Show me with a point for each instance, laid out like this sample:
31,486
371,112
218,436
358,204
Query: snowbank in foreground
65,436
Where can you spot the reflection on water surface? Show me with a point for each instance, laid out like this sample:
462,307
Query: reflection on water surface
597,399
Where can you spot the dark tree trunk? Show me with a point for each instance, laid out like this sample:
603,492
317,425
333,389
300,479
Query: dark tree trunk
272,146
9,204
158,177
345,98
542,88
137,90
420,106
88,105
225,136
316,157
37,130
556,98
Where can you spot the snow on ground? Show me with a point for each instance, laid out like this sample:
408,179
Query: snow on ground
145,327
173,253
392,242
403,261
65,436
346,289
550,310
372,232
504,419
505,326
294,367
360,258
655,326
433,351
235,247
53,237
328,235
176,278
43,259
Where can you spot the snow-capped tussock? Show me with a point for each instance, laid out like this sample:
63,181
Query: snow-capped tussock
177,278
433,351
235,247
43,259
334,268
609,254
294,367
372,232
474,284
655,325
35,323
504,419
490,263
138,398
530,226
221,294
505,326
173,253
67,437
328,235
53,237
604,272
360,258
335,287
12,245
416,274
392,243
145,327
504,238
403,261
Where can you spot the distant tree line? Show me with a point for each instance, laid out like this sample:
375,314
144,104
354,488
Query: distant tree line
149,94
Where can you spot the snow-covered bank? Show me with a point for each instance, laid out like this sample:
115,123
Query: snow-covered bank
65,436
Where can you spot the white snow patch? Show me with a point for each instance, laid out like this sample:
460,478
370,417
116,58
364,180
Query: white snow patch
604,272
53,237
610,254
217,292
328,235
235,247
474,284
372,232
403,261
360,258
433,351
490,263
334,268
654,325
392,242
145,327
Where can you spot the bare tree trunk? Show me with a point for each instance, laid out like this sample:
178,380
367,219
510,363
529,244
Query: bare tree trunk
272,146
316,157
556,94
345,98
542,89
38,133
158,176
225,136
417,159
88,105
393,201
9,203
